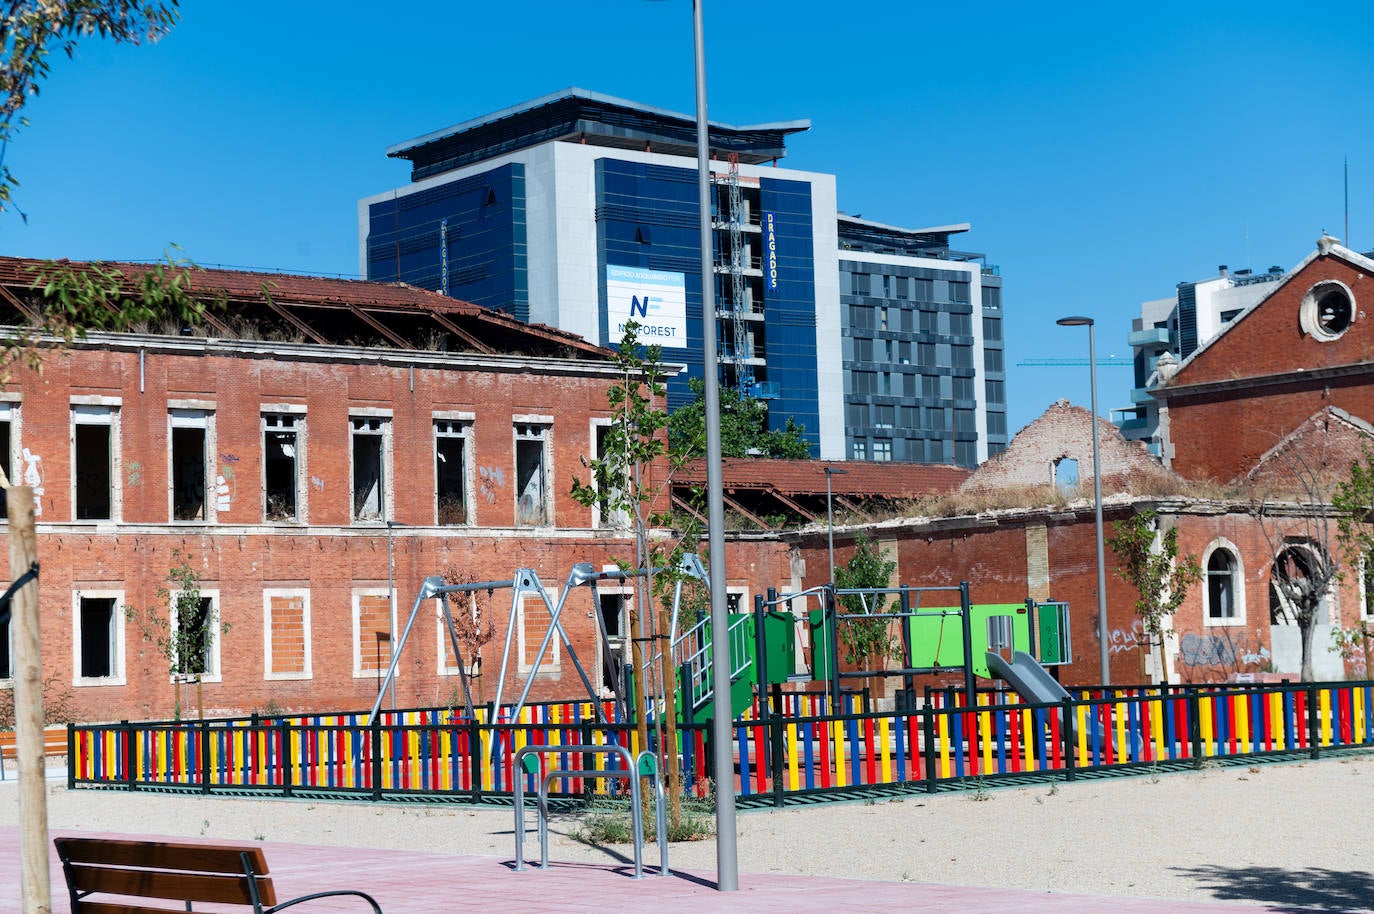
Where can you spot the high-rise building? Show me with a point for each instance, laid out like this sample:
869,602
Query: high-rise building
1179,326
580,211
923,328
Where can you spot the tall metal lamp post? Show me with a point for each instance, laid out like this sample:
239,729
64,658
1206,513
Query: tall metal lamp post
830,518
722,728
1080,321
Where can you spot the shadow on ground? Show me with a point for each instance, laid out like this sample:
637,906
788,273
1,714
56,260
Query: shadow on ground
1298,890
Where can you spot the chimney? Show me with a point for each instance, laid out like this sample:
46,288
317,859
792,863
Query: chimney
1222,270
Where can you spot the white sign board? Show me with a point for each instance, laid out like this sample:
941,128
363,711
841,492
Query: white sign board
654,299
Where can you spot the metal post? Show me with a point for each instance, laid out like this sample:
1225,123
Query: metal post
1097,499
830,518
727,854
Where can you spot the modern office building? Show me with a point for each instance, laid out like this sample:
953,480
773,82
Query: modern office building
580,211
923,328
1180,325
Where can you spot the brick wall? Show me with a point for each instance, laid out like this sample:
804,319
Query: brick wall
324,562
1221,433
1064,431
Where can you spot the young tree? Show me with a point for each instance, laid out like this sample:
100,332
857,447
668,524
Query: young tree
1353,502
744,430
866,641
1298,525
32,29
623,488
472,623
1151,564
183,625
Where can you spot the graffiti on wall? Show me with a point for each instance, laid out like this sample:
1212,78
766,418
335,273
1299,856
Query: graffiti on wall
33,478
1221,649
492,479
1128,639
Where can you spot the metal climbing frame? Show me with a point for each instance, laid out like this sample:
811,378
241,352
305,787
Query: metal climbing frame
909,607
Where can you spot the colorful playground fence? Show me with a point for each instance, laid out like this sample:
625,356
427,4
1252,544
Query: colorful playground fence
796,757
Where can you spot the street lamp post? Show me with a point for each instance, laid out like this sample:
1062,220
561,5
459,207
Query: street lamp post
830,518
1079,321
722,725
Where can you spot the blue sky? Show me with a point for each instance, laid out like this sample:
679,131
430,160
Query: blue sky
1102,153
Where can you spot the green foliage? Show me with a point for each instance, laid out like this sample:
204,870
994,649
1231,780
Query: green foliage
608,822
1161,577
744,428
182,624
1353,502
865,640
32,29
76,299
621,484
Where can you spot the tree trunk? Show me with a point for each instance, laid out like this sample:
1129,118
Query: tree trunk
1306,632
35,889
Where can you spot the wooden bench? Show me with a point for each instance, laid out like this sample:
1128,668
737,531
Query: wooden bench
126,873
54,743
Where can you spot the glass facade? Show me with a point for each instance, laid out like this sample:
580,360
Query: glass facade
910,372
647,216
481,220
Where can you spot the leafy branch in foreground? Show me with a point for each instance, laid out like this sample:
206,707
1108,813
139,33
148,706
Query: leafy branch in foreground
32,29
72,300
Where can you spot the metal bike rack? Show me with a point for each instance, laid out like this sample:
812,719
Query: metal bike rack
645,765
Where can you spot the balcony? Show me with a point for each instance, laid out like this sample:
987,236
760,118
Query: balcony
1154,336
1141,396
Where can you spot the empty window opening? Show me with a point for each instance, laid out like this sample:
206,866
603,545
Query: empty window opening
188,465
613,618
530,483
368,469
450,468
98,638
1221,585
281,467
1066,475
195,627
93,471
6,650
6,457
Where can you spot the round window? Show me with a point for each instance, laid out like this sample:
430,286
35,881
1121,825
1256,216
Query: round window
1328,310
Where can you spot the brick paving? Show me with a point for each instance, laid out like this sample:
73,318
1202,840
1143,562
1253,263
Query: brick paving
406,882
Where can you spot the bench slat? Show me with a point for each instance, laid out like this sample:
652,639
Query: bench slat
102,907
149,883
163,855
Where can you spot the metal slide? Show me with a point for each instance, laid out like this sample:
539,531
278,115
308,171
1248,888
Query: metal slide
1030,680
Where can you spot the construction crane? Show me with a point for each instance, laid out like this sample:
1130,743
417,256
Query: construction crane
1110,361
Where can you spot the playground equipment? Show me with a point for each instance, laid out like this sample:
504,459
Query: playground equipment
1024,674
645,765
526,583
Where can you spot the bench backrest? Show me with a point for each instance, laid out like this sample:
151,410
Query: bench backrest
154,869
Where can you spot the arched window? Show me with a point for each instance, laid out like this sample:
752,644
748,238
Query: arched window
1221,585
1224,582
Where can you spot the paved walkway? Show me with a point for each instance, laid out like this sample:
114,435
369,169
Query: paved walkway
406,882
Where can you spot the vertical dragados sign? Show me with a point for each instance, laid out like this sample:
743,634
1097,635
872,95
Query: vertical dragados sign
654,299
770,252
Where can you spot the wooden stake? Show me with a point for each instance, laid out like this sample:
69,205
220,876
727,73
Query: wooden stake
28,710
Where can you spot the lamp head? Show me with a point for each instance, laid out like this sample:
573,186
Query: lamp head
1075,321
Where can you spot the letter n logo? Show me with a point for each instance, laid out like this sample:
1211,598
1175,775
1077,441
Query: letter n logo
639,305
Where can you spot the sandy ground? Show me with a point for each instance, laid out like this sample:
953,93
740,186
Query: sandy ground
1293,833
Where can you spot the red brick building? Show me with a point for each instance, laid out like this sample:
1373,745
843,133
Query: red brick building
318,439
